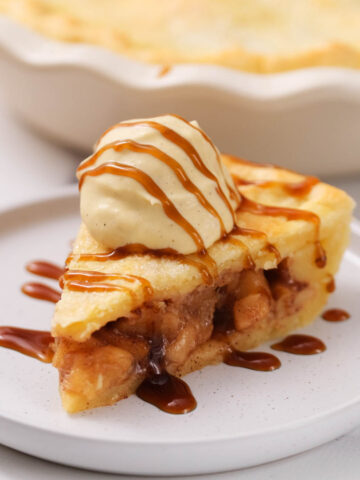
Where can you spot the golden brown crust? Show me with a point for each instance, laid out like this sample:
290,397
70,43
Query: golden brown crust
256,37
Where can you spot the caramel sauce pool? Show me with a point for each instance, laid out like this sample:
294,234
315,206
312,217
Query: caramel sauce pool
168,393
300,345
41,292
45,269
335,315
260,361
33,343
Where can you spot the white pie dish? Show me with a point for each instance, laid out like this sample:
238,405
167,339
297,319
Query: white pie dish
243,417
305,119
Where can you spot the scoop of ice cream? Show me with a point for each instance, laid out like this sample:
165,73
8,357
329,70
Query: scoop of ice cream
157,182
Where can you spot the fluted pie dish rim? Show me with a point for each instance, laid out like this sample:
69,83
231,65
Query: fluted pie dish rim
300,85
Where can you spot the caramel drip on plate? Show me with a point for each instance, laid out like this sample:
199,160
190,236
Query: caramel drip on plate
161,389
205,264
300,345
296,189
88,280
169,161
173,395
152,188
170,394
335,315
41,292
45,269
254,208
33,343
260,361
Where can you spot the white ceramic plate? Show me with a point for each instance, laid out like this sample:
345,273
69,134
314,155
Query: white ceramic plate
304,119
243,417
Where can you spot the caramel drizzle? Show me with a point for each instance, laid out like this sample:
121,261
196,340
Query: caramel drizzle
88,280
205,267
169,161
152,188
248,232
255,208
296,189
301,188
257,234
238,243
233,192
41,292
33,343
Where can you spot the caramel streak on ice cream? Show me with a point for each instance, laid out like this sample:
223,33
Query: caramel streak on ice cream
183,165
163,157
152,188
185,146
233,192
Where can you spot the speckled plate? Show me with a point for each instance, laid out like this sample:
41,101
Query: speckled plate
243,417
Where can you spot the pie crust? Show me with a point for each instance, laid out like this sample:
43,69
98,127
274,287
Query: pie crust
254,36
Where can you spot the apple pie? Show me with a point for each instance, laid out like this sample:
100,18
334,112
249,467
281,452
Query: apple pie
130,311
255,36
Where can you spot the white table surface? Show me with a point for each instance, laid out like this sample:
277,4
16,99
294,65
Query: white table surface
30,165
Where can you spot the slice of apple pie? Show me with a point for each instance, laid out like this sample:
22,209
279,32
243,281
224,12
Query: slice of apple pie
185,256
